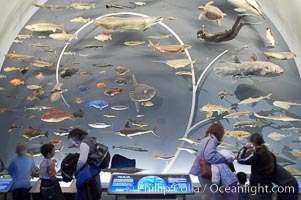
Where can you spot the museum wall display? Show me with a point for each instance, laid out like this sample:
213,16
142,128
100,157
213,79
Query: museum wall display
148,78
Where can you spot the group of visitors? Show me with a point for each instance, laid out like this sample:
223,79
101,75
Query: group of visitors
23,166
264,170
228,184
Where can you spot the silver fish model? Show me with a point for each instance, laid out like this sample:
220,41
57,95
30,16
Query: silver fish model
130,132
243,124
141,92
127,170
130,148
127,24
247,68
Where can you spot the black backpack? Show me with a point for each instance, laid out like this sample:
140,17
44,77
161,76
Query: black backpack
68,166
100,157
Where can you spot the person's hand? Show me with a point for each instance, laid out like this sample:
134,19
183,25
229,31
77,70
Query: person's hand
249,145
54,160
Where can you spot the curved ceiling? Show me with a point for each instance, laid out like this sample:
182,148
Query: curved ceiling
178,98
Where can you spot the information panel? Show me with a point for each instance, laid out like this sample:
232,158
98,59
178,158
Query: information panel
150,184
5,183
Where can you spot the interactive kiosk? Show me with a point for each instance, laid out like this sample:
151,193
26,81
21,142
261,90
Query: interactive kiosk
5,183
145,186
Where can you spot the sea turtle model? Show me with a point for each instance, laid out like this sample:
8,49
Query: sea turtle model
211,12
141,92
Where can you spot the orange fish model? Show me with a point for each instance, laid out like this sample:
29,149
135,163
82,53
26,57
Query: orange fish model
101,85
16,82
55,142
2,110
112,92
56,116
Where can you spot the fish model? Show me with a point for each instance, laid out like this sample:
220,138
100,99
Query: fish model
192,151
130,148
130,132
251,100
250,5
61,132
56,141
96,104
175,48
226,35
119,107
127,24
190,141
41,26
270,38
159,37
247,69
177,63
295,129
285,104
103,37
137,123
80,20
41,63
63,36
243,124
16,82
238,114
211,12
210,108
141,92
48,6
277,118
166,158
223,94
294,171
278,136
31,133
56,92
112,91
40,108
239,134
56,116
279,55
99,125
126,170
34,149
133,43
17,56
82,6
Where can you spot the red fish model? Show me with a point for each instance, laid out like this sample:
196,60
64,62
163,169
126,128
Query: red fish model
56,116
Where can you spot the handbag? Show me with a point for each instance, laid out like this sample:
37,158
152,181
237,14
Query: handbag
205,167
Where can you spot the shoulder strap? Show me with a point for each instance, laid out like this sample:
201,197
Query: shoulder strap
205,147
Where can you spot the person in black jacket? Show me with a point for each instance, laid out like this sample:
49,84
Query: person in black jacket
88,183
263,167
288,183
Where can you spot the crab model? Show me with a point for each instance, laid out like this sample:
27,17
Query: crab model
211,12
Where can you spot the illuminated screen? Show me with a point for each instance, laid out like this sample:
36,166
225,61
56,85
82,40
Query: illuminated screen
150,184
5,183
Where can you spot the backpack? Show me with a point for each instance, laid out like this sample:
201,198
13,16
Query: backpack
68,166
100,156
2,166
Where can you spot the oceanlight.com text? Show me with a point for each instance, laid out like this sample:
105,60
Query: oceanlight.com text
186,188
253,190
